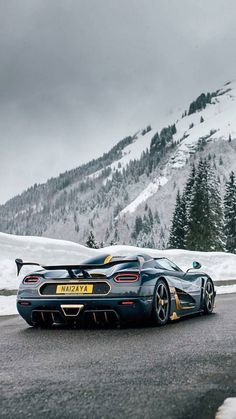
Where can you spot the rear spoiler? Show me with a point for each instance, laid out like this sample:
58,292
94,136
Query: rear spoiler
82,268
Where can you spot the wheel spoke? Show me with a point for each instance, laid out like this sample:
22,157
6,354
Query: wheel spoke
209,297
209,288
163,313
162,302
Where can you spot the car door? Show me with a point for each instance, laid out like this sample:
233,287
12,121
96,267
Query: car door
192,283
175,276
188,287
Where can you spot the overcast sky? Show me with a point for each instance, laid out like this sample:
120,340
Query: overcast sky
77,76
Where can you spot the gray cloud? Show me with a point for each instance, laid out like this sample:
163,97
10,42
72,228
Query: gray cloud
77,76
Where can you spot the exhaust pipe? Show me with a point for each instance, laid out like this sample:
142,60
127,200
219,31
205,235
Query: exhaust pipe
103,316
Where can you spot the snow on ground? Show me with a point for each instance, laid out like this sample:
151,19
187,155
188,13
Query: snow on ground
150,190
227,410
218,123
226,289
133,151
219,265
96,174
35,249
8,305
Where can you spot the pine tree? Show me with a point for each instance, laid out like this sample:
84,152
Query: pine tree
187,195
190,183
154,143
107,234
216,211
178,226
116,236
157,217
91,242
138,225
198,229
146,225
150,217
204,212
230,213
201,119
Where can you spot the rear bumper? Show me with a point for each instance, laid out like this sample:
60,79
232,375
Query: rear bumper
66,310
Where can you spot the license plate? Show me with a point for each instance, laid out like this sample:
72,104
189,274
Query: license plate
74,289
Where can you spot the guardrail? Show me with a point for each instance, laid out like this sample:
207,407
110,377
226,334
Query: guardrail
222,282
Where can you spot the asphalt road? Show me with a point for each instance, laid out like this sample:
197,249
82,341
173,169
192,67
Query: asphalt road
183,370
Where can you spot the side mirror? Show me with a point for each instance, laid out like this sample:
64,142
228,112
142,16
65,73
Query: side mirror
196,265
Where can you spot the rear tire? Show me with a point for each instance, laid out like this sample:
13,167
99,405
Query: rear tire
208,297
161,304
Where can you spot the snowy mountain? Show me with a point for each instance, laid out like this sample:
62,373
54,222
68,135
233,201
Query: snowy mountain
136,180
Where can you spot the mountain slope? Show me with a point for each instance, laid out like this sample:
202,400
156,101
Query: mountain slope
138,177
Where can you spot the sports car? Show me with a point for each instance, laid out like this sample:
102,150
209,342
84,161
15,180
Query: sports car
113,289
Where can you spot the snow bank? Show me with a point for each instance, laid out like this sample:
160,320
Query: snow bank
226,289
35,249
8,305
227,410
220,266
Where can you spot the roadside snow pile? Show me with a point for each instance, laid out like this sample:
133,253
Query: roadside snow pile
219,265
35,249
8,305
227,410
226,289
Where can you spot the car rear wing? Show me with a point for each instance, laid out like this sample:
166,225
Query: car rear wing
82,267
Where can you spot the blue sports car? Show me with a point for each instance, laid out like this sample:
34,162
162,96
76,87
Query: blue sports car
113,289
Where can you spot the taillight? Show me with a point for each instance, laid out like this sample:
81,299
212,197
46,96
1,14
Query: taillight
126,277
24,303
127,303
31,279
